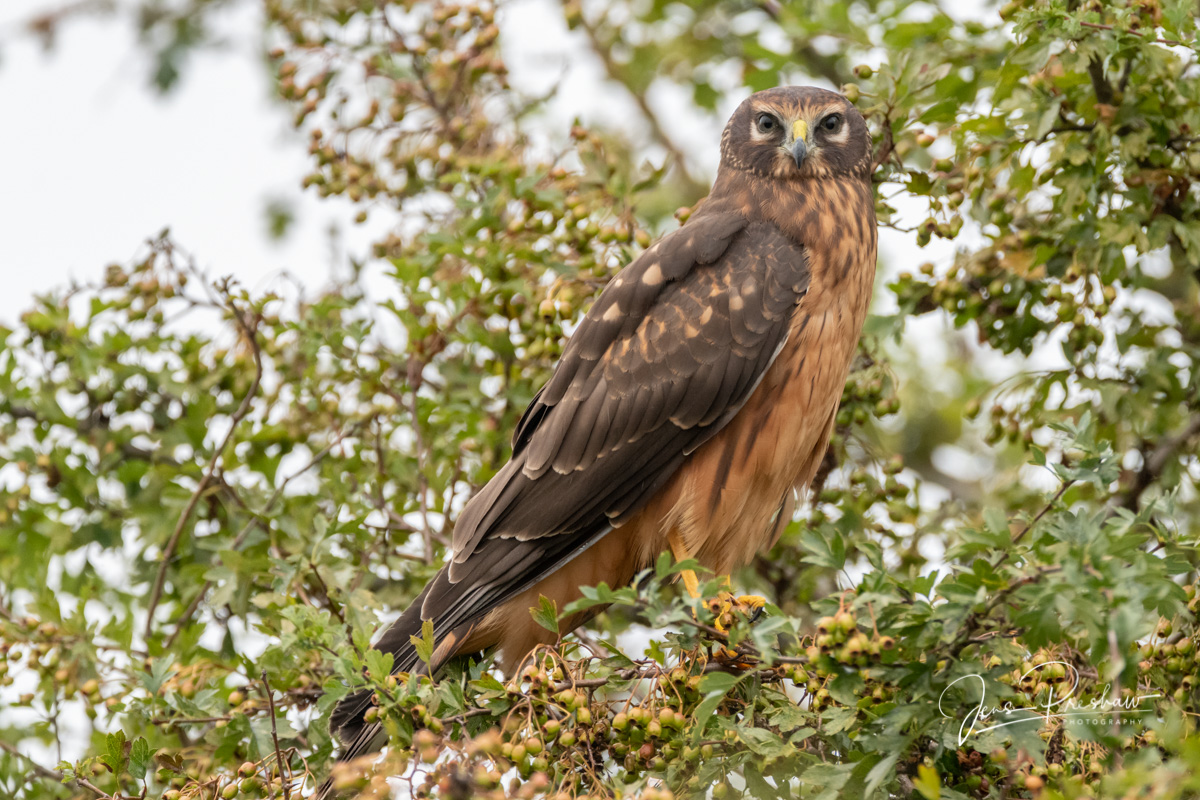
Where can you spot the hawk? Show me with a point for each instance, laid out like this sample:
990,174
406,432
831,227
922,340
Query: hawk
694,399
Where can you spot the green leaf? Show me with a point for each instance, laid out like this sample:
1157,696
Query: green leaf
160,670
928,783
714,686
765,743
838,719
845,688
757,786
546,614
116,749
881,772
379,664
826,548
424,643
139,758
830,778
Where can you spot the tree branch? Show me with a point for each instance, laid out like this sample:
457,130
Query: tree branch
53,775
283,776
1154,462
1155,39
250,331
1100,84
257,519
614,72
817,63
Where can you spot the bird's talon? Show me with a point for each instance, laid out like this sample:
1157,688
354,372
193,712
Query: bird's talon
731,658
751,601
748,605
725,605
720,607
752,605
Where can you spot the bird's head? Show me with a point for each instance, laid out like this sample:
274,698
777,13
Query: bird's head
795,132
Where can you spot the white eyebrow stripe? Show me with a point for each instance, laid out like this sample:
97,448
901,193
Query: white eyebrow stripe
841,137
757,135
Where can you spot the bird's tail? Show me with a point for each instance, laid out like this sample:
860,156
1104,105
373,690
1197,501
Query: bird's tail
456,609
347,721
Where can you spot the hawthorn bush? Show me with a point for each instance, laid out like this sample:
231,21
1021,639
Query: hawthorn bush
210,498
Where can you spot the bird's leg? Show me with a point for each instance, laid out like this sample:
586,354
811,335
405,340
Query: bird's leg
749,604
692,584
744,602
680,552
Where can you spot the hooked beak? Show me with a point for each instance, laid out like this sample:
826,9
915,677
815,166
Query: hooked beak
799,144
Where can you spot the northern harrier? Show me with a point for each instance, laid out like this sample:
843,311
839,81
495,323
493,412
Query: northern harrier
693,400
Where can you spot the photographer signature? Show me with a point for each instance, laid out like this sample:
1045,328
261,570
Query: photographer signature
1053,706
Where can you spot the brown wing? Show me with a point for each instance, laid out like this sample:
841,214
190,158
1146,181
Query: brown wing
670,351
666,356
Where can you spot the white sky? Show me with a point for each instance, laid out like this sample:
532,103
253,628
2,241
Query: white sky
95,162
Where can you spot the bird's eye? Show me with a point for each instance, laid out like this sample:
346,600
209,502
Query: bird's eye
832,123
767,123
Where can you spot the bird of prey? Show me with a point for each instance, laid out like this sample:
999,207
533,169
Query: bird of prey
693,401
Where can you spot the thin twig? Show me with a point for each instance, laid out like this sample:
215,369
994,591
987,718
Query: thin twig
466,715
1045,510
422,478
888,146
614,72
283,775
243,409
37,768
188,720
1155,462
53,775
257,519
802,50
1026,581
86,784
335,609
1165,451
1156,40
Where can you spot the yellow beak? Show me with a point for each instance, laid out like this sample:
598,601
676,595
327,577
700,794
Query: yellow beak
799,141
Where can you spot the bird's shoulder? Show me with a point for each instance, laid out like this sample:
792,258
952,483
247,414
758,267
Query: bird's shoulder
714,286
707,262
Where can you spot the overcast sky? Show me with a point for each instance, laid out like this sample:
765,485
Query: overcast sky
95,162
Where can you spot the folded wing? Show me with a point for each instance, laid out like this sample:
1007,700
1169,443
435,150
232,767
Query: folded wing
667,355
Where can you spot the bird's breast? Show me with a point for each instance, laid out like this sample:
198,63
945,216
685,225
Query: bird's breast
733,487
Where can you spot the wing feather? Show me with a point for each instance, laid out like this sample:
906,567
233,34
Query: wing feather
603,423
581,426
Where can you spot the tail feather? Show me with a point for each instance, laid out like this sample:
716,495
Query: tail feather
500,570
357,736
346,721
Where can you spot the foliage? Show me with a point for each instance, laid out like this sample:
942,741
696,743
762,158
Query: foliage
209,496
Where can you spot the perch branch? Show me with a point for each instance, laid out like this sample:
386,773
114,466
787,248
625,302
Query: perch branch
251,333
